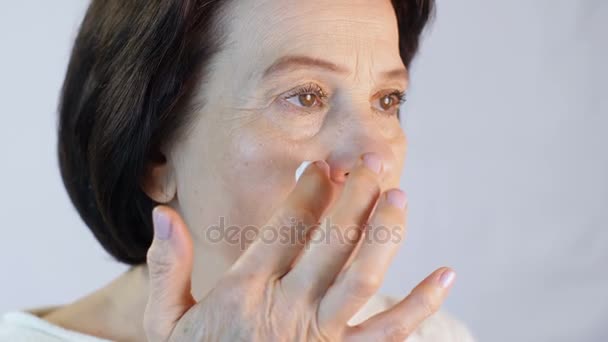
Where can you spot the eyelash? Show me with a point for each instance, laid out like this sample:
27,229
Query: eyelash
401,96
401,99
312,88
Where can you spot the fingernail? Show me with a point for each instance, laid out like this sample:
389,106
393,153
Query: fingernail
447,278
162,224
396,198
372,161
301,168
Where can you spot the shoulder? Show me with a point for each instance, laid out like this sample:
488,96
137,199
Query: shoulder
23,326
440,326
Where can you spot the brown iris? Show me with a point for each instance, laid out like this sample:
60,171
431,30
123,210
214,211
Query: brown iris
307,100
387,102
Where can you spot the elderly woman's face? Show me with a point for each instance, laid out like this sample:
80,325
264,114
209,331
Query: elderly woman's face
298,80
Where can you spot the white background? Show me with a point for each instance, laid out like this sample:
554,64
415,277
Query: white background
507,171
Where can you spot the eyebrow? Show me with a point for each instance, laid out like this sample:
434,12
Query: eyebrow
291,62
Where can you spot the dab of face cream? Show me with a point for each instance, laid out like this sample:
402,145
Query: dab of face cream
301,168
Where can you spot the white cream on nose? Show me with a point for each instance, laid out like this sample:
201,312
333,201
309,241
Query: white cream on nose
301,168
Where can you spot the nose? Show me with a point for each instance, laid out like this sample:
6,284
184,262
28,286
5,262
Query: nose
353,144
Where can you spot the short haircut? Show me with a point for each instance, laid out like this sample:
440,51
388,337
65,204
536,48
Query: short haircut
130,78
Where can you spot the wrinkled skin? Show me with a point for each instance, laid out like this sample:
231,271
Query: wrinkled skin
236,161
294,291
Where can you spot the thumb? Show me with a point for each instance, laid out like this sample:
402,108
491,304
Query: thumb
169,261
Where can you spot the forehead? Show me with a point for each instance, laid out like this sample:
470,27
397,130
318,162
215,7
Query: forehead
345,31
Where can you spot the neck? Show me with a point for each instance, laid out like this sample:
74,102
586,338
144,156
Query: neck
108,311
111,311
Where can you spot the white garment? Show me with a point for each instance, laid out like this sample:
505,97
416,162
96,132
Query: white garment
24,326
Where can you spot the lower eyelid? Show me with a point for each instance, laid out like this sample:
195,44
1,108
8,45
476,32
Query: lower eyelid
394,112
298,110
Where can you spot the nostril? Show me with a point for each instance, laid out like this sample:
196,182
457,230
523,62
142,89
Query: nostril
339,176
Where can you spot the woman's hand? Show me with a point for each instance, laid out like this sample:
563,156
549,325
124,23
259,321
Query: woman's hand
294,291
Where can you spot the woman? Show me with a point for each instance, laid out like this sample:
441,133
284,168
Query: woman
181,125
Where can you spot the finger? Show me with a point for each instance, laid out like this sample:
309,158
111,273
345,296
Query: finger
169,261
401,320
281,240
333,242
362,278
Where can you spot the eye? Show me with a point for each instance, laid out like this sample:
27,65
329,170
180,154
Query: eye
391,102
306,100
307,97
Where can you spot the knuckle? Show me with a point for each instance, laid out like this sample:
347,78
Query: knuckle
158,263
428,303
305,214
362,285
319,332
294,215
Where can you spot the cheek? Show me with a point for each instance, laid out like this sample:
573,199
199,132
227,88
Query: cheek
253,166
399,144
240,168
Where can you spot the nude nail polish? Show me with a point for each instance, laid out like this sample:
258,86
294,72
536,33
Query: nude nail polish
447,278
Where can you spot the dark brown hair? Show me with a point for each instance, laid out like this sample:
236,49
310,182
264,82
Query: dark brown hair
133,68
